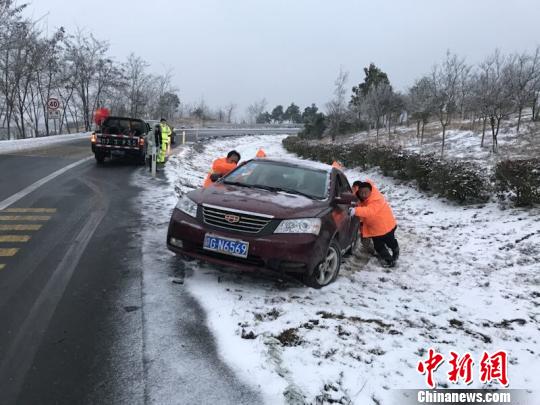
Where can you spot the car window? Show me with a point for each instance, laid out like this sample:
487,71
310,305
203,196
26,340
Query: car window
342,185
276,175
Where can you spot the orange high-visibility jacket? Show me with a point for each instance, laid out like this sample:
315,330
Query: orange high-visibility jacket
221,167
260,154
376,215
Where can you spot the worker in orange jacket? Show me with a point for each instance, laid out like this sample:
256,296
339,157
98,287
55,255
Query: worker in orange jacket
260,153
222,166
378,222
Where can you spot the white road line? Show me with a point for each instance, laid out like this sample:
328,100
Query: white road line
18,356
32,187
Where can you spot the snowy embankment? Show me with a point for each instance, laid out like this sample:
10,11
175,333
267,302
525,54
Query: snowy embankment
467,281
18,145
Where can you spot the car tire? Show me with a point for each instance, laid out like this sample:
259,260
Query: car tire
327,270
100,158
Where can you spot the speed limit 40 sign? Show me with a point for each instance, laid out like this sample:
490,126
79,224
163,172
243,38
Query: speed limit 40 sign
53,104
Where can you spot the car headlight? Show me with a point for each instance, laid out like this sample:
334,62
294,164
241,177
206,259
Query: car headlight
187,205
304,225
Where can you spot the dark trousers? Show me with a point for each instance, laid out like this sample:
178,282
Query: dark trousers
380,243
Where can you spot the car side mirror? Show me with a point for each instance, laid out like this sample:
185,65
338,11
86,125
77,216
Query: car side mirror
345,199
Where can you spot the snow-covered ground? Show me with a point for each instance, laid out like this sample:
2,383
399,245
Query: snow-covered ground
468,280
32,143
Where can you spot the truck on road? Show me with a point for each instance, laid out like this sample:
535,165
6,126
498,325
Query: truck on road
121,137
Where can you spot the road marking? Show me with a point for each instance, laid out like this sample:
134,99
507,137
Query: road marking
33,210
18,355
8,252
14,238
2,266
25,217
32,187
20,227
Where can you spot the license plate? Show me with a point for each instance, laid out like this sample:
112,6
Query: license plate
231,247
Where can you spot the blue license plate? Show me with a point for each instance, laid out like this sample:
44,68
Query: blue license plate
226,246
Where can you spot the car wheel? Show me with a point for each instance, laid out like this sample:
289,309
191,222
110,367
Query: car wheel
100,158
327,270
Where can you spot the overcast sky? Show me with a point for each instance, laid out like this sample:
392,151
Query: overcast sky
291,50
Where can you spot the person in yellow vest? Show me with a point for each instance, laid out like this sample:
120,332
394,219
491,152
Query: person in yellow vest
260,153
165,139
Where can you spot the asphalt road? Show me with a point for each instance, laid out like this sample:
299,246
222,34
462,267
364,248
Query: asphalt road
73,311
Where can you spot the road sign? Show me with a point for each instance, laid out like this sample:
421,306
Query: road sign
53,104
53,114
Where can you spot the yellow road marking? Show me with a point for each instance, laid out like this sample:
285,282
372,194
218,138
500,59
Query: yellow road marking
42,210
14,238
25,217
2,266
8,252
20,227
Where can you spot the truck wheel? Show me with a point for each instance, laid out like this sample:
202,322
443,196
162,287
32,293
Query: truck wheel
327,270
100,157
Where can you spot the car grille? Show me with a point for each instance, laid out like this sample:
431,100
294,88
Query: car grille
235,221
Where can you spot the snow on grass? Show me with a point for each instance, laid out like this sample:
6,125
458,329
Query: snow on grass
462,143
467,281
18,145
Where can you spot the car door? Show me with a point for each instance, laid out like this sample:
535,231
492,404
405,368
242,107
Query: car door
340,212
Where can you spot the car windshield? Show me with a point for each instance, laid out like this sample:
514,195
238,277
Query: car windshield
123,126
276,176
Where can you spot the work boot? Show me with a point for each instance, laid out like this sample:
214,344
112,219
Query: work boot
395,253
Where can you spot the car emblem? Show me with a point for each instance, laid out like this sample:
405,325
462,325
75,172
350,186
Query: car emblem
232,219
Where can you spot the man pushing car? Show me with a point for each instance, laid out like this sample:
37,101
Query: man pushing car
378,222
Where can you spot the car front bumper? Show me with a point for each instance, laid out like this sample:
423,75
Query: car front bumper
283,253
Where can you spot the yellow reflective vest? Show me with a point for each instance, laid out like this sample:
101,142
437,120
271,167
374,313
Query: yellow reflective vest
165,132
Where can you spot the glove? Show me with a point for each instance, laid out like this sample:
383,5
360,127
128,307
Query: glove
352,212
215,177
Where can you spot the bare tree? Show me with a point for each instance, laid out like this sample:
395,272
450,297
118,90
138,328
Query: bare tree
421,105
522,73
229,110
445,90
255,109
85,54
376,104
337,107
496,70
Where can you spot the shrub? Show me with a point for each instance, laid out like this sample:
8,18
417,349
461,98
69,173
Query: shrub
458,181
520,179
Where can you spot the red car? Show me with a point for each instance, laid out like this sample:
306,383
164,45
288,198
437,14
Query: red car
286,216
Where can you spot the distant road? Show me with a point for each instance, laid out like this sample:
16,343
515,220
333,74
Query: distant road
192,134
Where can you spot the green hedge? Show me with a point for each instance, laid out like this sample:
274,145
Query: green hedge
520,180
462,182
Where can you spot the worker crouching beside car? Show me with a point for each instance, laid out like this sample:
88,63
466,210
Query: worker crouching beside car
378,222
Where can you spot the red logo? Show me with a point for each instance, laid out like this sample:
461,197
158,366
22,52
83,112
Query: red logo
232,219
491,368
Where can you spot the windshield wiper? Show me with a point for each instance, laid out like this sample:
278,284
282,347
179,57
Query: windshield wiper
236,183
285,190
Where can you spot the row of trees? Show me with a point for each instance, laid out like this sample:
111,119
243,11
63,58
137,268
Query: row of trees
74,68
279,115
499,87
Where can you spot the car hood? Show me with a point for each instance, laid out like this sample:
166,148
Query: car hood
278,204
